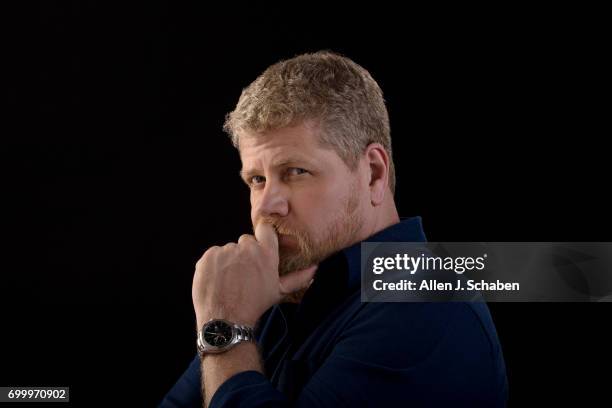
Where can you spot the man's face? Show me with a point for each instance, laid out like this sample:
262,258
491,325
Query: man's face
305,190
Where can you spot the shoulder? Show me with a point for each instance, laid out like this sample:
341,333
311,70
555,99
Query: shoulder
404,334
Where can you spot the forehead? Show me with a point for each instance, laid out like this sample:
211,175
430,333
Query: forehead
296,143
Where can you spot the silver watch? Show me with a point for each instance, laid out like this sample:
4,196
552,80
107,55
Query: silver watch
218,336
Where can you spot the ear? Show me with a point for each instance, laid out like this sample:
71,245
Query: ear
377,160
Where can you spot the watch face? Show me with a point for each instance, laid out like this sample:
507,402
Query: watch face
217,333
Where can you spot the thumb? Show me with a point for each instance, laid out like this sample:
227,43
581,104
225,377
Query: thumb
294,281
265,234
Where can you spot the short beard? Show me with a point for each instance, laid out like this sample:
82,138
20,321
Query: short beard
339,234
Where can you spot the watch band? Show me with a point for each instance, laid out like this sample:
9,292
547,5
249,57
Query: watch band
244,333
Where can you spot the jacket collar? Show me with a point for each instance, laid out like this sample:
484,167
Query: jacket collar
340,275
407,230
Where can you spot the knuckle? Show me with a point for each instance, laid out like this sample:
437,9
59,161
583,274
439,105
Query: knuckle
207,255
212,250
230,246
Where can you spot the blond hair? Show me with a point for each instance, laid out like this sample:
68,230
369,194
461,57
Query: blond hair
335,92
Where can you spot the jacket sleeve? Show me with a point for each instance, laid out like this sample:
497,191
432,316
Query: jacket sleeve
186,393
395,354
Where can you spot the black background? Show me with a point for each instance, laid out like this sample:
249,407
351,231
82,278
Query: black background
118,176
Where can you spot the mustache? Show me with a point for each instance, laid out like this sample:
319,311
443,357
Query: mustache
280,226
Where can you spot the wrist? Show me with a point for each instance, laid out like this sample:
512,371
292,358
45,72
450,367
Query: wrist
224,314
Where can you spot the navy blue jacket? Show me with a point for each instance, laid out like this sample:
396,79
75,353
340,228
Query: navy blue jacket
332,350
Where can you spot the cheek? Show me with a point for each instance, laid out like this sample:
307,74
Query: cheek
309,209
322,203
253,202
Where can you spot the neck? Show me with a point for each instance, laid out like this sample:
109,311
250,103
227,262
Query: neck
384,216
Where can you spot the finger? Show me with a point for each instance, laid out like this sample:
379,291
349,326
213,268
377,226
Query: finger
245,238
294,281
265,234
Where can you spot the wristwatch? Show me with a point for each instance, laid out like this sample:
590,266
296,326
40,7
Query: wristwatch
218,336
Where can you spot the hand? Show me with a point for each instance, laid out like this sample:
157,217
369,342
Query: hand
239,281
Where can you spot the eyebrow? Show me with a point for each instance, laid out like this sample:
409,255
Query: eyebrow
246,175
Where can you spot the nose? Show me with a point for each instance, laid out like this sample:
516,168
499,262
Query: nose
273,201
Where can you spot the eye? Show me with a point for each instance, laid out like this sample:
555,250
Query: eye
256,180
296,171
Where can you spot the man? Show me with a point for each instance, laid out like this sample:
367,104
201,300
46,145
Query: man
279,316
